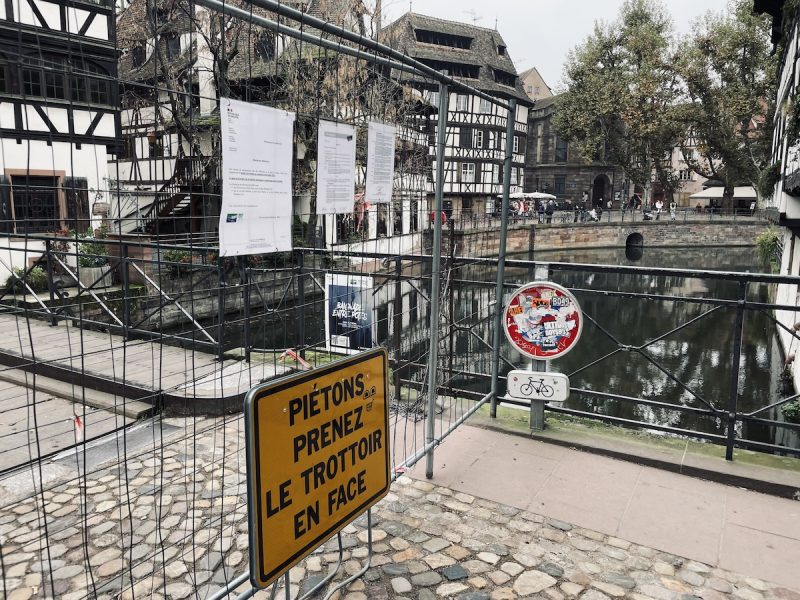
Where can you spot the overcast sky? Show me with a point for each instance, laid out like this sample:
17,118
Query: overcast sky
539,33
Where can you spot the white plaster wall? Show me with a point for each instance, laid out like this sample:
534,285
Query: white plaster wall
89,162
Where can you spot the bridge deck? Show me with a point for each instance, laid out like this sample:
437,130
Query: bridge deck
143,370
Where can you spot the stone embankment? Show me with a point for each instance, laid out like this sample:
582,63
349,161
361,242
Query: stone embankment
557,236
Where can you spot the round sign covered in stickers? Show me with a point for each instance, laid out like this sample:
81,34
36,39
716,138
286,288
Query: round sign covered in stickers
543,320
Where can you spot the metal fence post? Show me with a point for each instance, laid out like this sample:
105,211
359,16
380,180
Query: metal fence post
50,283
301,301
244,275
501,264
436,276
221,310
397,325
126,289
733,398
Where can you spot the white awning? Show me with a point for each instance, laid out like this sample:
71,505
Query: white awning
744,192
530,196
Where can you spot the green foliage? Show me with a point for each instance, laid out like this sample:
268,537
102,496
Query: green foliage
767,245
92,252
621,93
178,262
36,279
272,260
729,75
791,411
768,179
634,92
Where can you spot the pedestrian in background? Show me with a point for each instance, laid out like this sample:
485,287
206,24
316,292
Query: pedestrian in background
673,207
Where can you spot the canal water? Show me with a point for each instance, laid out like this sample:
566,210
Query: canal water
699,355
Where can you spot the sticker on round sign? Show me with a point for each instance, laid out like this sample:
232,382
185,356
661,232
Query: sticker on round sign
543,320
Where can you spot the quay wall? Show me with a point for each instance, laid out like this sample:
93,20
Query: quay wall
522,238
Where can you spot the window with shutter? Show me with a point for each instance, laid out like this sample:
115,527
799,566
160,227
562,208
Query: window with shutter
466,137
77,193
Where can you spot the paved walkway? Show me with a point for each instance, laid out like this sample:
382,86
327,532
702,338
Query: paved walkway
171,523
719,525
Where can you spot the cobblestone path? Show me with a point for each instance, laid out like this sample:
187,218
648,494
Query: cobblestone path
172,522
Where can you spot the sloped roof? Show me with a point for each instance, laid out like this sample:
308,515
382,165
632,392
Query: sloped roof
544,103
483,51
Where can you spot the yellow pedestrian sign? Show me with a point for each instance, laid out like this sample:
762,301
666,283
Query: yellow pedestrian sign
317,457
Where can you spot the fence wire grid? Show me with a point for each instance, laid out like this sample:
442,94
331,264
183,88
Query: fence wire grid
127,342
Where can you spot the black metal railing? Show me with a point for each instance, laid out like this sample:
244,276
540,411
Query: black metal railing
200,291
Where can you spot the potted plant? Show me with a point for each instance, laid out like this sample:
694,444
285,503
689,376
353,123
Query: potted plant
93,260
791,411
178,262
35,278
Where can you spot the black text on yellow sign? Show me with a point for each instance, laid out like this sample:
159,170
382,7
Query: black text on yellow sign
317,457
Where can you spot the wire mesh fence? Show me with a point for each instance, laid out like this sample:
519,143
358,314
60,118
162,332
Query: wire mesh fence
132,338
128,338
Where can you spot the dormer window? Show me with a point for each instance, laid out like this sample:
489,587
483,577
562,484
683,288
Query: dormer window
443,39
453,69
505,78
501,50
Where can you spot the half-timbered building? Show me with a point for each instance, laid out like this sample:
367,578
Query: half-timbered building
476,128
58,116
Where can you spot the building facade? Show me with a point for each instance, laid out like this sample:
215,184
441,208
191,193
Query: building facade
476,128
58,116
785,201
534,85
553,166
168,166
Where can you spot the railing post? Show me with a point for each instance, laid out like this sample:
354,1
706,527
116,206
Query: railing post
301,301
451,349
436,276
221,310
126,291
531,241
733,398
397,325
501,263
50,282
244,276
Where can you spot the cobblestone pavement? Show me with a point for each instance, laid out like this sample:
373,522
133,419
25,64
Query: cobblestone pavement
173,522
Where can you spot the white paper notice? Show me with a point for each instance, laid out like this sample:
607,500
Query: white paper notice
256,213
380,162
336,168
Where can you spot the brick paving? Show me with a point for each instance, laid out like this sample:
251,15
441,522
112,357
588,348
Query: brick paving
172,522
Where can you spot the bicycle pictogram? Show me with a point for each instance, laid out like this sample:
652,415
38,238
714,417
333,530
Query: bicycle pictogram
538,386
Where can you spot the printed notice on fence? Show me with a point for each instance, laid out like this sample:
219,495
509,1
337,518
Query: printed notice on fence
380,162
256,212
336,168
317,458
